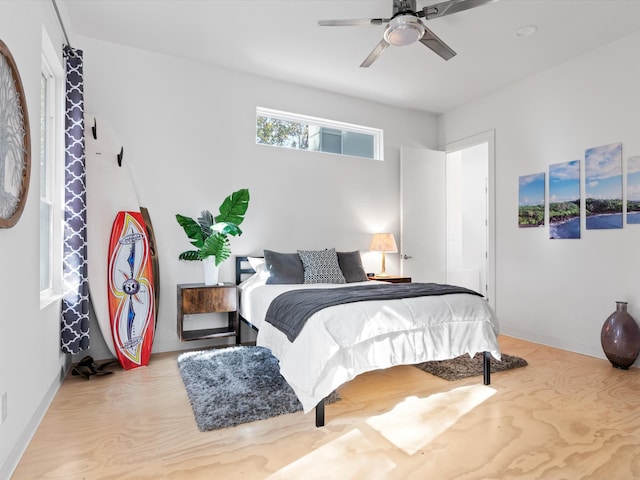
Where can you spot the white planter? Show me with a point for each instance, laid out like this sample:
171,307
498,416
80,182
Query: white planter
210,271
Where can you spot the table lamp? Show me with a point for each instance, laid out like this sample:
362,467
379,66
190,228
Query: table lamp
383,242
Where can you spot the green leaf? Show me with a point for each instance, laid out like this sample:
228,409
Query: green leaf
190,255
233,229
234,207
217,245
227,228
192,229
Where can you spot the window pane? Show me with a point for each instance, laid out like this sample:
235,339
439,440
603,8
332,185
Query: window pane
357,144
43,136
45,209
45,246
331,140
283,133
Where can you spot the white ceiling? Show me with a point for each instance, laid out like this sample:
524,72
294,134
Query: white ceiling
280,39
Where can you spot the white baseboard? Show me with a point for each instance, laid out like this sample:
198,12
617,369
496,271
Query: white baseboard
554,342
7,469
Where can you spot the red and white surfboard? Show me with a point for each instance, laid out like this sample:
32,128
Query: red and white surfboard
131,290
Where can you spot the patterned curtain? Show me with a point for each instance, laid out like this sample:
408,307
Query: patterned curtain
74,335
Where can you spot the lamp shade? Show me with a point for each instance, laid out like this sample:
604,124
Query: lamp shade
383,242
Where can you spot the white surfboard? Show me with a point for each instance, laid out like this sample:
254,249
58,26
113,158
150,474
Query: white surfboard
109,191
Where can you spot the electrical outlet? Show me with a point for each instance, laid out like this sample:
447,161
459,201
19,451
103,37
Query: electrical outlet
3,407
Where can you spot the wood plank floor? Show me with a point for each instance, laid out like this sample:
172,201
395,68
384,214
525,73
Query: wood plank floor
565,416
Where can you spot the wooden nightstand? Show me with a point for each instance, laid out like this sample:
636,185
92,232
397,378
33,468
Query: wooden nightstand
196,298
392,279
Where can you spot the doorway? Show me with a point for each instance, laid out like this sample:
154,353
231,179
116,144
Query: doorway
466,217
447,214
469,214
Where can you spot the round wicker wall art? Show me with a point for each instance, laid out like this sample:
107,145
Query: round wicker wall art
15,142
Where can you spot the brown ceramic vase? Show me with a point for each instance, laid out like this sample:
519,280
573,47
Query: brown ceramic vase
620,338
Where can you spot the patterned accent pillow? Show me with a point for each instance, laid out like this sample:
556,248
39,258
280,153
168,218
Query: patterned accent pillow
321,266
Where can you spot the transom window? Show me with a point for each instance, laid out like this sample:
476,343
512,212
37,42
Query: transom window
291,130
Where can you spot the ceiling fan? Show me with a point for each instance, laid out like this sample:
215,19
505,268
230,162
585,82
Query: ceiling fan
405,26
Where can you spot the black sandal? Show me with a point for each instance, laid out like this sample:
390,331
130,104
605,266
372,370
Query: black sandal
100,369
87,367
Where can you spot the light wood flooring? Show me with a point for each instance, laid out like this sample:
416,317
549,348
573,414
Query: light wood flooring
565,416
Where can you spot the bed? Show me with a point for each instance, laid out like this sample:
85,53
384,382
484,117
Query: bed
341,341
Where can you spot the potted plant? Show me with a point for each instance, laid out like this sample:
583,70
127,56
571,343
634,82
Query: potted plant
210,235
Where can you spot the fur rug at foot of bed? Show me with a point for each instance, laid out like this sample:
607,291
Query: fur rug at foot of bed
230,386
464,366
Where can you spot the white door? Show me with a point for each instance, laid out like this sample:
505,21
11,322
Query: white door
423,225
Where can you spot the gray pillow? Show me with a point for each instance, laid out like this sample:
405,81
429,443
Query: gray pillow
351,266
284,268
321,266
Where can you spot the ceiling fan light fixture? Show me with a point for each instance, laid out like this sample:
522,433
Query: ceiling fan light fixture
404,30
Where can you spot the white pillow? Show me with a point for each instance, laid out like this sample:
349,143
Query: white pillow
255,261
259,265
251,282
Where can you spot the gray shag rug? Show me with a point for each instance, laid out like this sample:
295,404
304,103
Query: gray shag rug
464,366
235,385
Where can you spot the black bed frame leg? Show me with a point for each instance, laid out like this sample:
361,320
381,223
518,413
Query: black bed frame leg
320,414
486,367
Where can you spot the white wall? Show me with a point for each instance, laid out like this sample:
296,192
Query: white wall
30,358
559,292
188,132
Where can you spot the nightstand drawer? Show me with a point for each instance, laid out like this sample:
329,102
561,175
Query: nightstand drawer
209,299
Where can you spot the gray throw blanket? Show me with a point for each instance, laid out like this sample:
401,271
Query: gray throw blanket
290,311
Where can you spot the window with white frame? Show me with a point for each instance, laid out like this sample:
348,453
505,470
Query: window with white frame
51,118
291,130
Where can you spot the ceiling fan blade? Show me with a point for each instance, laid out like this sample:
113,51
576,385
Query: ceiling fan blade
432,41
352,22
452,6
375,53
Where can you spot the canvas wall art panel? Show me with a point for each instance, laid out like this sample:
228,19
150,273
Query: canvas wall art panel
603,186
531,201
633,190
564,200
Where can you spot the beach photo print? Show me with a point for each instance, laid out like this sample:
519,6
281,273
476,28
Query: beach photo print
603,187
564,200
531,201
633,190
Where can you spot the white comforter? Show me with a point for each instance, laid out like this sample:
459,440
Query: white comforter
341,342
